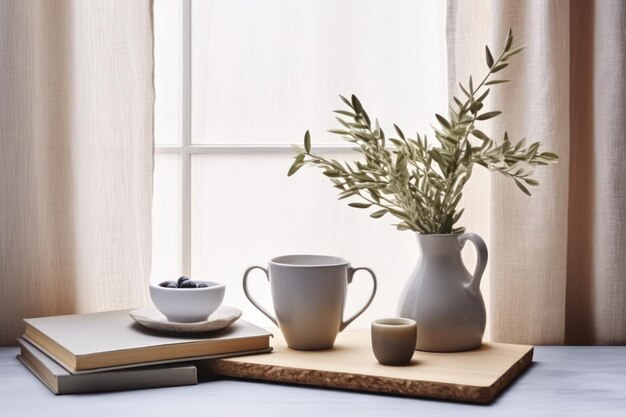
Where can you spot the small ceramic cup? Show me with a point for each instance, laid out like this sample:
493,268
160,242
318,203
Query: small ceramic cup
393,340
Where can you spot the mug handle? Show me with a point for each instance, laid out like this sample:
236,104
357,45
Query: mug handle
481,262
246,291
351,272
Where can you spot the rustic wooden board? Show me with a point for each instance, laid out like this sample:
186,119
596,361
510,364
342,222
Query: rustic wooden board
475,376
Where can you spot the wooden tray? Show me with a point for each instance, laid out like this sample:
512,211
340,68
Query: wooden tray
475,376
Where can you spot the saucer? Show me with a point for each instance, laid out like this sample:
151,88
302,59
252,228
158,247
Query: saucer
151,318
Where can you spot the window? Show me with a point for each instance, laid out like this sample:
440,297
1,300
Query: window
237,82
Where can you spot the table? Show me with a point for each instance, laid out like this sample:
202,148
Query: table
563,381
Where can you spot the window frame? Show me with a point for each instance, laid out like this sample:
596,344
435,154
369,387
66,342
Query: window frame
186,148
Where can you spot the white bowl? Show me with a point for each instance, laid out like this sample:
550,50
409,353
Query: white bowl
188,305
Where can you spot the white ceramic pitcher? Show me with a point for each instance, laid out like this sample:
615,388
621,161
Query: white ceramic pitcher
443,297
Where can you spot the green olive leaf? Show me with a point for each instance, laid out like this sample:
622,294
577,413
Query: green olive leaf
442,120
378,214
489,57
295,167
307,142
521,186
480,134
360,205
488,115
499,67
492,82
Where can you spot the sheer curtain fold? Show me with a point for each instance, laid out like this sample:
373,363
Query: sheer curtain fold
75,157
557,258
597,241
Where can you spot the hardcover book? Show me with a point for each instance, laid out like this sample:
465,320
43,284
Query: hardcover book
60,381
112,340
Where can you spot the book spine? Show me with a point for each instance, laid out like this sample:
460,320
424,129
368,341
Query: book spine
128,380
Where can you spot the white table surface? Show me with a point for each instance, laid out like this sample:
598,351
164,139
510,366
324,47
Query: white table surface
563,381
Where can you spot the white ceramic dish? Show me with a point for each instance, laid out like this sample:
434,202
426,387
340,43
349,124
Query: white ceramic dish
151,318
188,305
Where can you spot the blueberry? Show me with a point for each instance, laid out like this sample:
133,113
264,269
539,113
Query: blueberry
202,285
168,284
181,280
172,285
188,284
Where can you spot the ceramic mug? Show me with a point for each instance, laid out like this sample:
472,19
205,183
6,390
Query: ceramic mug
309,296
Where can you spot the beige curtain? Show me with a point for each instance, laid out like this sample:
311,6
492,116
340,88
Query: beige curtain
75,157
558,258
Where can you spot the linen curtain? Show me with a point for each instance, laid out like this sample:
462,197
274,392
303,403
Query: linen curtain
557,259
75,157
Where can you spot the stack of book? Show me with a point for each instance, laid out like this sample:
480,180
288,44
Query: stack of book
108,351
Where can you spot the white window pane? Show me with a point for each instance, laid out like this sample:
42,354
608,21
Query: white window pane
167,71
166,219
245,211
265,71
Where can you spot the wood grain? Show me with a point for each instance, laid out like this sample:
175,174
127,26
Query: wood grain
475,376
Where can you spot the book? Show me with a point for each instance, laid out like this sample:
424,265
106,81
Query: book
60,381
112,340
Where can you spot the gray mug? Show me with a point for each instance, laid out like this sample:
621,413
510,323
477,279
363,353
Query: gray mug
309,296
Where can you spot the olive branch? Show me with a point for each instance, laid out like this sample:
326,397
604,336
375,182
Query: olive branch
418,182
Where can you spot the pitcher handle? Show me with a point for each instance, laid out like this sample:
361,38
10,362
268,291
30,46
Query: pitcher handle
246,291
351,272
481,262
